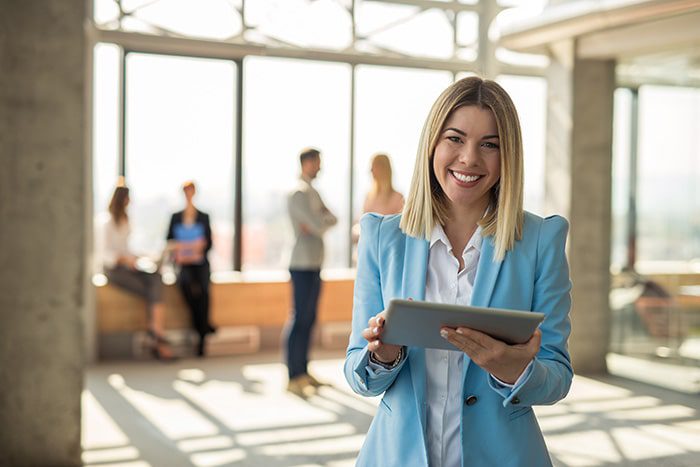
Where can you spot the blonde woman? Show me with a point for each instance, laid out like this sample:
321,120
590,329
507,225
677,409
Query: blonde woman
463,238
382,198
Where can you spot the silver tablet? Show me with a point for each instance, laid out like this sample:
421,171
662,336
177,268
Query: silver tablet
417,323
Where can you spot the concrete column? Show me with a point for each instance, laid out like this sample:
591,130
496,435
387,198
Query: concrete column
43,212
578,185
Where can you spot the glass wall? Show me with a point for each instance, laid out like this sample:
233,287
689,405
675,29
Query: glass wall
105,138
620,177
290,105
529,94
391,107
180,112
180,126
668,195
654,305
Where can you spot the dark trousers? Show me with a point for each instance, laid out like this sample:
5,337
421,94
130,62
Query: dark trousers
144,284
193,281
306,286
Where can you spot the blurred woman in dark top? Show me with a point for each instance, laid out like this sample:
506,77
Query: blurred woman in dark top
189,240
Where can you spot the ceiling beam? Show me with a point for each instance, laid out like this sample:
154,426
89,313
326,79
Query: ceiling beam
574,19
667,34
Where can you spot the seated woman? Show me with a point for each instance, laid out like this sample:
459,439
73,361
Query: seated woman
189,238
136,275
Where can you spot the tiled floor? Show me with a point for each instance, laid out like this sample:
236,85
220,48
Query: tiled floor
234,411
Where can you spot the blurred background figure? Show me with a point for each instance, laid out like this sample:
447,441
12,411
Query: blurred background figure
382,198
138,275
310,219
189,240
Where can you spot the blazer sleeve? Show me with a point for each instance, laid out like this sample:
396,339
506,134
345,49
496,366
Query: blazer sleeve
367,302
171,227
550,375
207,231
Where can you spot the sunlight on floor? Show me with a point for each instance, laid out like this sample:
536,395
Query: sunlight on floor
237,413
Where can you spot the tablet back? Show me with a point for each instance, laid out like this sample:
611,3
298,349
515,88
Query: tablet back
418,323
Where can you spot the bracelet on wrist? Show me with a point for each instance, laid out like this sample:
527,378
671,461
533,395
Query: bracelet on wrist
388,365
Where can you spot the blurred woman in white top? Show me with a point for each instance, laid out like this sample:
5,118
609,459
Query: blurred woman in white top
133,274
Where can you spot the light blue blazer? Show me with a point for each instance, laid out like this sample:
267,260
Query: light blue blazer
500,429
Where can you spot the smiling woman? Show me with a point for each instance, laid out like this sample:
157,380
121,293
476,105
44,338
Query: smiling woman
462,239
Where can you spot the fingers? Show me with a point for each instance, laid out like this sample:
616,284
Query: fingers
372,333
481,348
462,341
375,326
479,338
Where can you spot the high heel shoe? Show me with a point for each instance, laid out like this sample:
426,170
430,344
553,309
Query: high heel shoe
160,347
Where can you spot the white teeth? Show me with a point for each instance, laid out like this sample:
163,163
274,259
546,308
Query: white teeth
466,178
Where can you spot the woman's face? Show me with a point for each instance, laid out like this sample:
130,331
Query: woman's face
378,171
189,192
467,159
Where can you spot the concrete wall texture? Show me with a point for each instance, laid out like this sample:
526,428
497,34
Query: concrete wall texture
42,230
578,186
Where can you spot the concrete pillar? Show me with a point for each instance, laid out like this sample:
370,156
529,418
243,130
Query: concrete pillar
578,185
43,215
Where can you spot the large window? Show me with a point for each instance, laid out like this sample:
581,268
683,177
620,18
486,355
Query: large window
289,105
668,168
668,195
529,95
105,138
180,126
620,177
391,107
358,76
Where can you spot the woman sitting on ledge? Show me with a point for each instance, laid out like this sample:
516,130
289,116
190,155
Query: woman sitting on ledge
136,275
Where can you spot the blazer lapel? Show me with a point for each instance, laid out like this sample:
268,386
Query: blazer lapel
486,275
415,267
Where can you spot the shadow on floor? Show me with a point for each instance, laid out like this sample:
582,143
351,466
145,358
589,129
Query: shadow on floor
234,411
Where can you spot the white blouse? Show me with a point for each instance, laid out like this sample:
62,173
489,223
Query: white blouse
447,284
116,242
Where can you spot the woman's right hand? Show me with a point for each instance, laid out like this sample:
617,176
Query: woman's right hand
385,353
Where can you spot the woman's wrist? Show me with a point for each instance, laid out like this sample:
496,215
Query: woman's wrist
374,358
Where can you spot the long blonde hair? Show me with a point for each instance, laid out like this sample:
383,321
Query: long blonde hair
427,203
382,184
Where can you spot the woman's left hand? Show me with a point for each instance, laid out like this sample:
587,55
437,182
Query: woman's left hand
505,362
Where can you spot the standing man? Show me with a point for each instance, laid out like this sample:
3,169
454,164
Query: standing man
310,219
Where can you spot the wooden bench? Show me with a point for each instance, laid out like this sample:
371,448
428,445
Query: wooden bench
249,315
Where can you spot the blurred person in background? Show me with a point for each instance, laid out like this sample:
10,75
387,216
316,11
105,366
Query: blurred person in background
138,275
189,241
310,220
382,198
